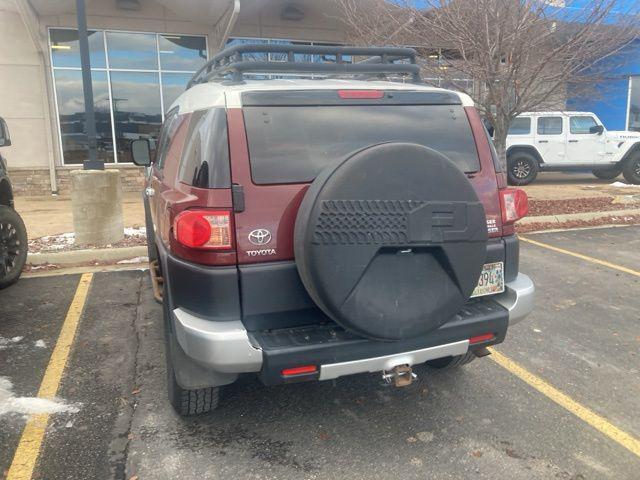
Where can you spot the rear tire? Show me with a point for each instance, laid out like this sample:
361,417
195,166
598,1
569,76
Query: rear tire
190,403
186,402
522,168
13,246
448,363
607,174
631,170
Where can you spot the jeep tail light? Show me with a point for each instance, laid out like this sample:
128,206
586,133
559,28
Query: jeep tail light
204,229
360,94
514,205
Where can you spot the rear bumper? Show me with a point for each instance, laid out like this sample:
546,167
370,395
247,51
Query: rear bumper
228,347
518,298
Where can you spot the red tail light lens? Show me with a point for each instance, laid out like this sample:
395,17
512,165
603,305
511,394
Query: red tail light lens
360,94
481,338
514,204
299,370
204,229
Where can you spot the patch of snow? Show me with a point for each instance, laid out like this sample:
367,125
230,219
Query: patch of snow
40,344
7,342
9,403
134,260
135,231
623,185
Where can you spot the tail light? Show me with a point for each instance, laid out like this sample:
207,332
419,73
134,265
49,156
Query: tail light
204,229
514,205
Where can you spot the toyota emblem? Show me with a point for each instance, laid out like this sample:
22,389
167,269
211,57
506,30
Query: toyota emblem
260,236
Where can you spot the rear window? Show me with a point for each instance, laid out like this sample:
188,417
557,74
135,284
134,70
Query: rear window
293,144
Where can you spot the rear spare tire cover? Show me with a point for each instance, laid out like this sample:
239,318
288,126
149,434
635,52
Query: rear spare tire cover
390,242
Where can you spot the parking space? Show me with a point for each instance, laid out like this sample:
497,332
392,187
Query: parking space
481,421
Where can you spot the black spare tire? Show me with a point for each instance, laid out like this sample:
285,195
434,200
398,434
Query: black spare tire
390,242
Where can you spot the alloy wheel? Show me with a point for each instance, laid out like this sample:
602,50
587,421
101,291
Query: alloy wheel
521,169
9,248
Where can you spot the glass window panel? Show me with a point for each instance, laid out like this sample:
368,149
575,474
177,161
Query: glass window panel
132,51
581,125
173,84
182,52
634,105
279,57
65,48
549,125
258,57
68,85
136,108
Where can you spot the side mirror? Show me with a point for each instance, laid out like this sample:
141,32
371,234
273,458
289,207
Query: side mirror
5,139
141,152
599,129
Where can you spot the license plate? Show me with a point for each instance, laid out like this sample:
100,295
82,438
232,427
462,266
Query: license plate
491,280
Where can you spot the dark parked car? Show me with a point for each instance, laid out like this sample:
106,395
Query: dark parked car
13,234
308,229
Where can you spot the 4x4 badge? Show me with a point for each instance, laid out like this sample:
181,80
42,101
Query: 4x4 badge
260,236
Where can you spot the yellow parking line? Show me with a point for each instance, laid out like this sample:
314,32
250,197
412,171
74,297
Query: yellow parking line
26,456
582,257
589,416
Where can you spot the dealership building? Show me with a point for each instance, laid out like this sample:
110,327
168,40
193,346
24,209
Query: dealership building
142,54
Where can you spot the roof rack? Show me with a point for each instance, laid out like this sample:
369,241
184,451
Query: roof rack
232,63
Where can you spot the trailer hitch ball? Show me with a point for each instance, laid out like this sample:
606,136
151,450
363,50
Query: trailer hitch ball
400,375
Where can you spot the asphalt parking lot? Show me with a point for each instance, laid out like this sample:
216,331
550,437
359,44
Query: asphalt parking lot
576,418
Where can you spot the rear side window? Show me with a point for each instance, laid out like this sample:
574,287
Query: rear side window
581,125
549,125
205,156
169,128
293,144
520,126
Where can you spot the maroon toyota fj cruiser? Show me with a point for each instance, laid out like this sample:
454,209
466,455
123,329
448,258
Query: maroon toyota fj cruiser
311,228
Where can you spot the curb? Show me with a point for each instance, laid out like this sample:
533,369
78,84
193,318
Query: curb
88,255
578,216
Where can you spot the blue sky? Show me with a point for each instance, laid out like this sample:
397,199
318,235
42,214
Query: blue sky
622,6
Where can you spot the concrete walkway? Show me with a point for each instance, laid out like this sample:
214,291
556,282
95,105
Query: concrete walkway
52,215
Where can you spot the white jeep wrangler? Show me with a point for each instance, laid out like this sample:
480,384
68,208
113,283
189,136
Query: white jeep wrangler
566,141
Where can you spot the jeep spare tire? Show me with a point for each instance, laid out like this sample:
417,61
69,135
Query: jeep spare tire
390,242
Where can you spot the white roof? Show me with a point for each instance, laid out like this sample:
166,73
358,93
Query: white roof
215,94
557,112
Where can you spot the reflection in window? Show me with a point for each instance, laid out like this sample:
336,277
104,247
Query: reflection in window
581,125
173,84
136,109
136,106
70,100
182,52
634,104
132,50
65,49
549,125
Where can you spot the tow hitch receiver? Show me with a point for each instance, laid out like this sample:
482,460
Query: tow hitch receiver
400,376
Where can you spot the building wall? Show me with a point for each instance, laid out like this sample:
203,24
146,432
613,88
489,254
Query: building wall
22,99
610,97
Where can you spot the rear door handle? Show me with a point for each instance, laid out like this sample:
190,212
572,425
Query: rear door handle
573,141
543,141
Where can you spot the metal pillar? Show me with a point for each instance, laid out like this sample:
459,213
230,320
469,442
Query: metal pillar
92,163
